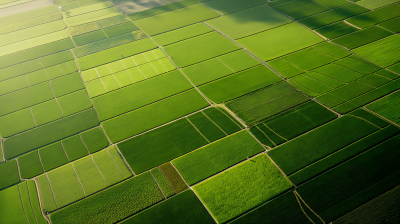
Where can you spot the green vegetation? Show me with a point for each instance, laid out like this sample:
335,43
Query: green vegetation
11,206
376,16
362,37
266,102
283,209
391,25
89,175
113,204
120,29
227,6
301,8
94,140
206,71
16,122
118,161
74,147
238,60
89,37
19,69
57,58
53,156
33,194
343,154
180,209
255,20
162,182
336,30
26,204
173,140
329,138
27,15
206,127
308,59
30,165
113,21
45,193
351,184
202,48
224,120
46,112
216,157
13,84
140,94
65,185
49,133
259,181
182,34
151,116
74,102
239,84
279,41
9,174
60,88
173,177
387,107
175,19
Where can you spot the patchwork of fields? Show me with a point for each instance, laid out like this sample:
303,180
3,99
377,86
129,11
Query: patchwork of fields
200,111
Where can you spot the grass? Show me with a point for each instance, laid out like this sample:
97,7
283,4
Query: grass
74,147
357,181
299,9
9,174
332,16
182,34
375,80
94,140
153,115
382,51
66,84
26,204
35,52
52,156
183,208
89,37
120,29
279,41
108,168
202,48
336,30
308,59
115,53
19,69
89,176
113,204
173,177
206,127
172,20
387,107
226,6
136,96
35,202
285,68
25,98
374,4
379,208
53,131
329,138
343,94
362,37
254,20
56,58
16,122
259,181
332,49
65,185
266,103
216,157
74,102
239,84
84,28
113,21
11,207
206,71
173,140
356,65
118,159
391,25
238,60
283,209
46,112
30,165
163,183
309,85
46,195
224,121
376,16
343,154
92,16
13,84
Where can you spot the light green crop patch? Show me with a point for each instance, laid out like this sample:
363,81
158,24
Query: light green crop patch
16,122
11,206
241,188
280,41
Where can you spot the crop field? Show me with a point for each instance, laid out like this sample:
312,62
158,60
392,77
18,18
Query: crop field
199,111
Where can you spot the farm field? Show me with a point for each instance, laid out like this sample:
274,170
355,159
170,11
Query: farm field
199,111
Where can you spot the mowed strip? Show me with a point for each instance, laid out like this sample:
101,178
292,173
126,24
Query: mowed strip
175,19
140,94
153,115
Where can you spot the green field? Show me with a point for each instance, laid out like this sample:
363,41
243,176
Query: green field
199,111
